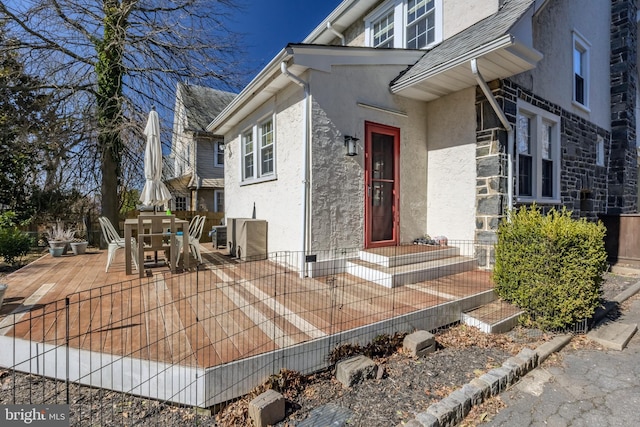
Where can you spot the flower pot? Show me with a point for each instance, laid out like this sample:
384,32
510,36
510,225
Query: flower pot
56,251
59,244
3,289
79,248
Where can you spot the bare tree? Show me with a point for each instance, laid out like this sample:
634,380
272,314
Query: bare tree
110,61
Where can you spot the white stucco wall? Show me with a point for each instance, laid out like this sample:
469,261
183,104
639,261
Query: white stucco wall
278,201
338,180
460,14
451,167
552,79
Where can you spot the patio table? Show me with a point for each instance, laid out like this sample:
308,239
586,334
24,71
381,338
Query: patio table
131,225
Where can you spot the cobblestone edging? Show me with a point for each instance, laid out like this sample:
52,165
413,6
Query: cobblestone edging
452,409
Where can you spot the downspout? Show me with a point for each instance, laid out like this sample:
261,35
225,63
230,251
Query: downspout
337,33
194,165
305,163
507,126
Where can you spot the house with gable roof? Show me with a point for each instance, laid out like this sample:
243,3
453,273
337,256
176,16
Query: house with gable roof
399,118
197,156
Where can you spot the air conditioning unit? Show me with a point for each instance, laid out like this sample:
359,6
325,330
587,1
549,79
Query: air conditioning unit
232,235
251,239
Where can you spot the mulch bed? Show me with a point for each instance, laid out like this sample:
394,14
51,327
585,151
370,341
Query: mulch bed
406,386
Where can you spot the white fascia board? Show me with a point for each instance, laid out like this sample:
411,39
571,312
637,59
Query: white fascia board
340,19
250,92
322,58
300,58
506,42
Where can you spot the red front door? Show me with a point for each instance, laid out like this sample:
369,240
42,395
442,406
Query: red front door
381,180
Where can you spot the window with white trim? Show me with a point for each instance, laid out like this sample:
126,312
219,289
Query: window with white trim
538,154
407,24
247,155
258,151
580,70
218,154
266,147
218,200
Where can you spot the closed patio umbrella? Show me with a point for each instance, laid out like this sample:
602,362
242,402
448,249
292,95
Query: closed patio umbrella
154,193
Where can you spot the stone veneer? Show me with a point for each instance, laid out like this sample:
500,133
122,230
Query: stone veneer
624,79
583,184
586,189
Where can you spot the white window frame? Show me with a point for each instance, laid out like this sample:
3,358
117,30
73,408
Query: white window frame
217,195
581,47
259,175
399,8
539,117
217,153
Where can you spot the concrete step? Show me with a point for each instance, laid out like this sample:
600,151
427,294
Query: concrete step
392,257
493,318
392,277
613,335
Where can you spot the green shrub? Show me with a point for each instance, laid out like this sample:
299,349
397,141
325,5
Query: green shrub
14,244
551,266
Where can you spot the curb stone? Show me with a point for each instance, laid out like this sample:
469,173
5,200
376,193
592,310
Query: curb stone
449,411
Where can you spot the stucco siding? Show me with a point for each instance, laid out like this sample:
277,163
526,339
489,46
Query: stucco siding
451,181
278,201
552,79
337,215
460,14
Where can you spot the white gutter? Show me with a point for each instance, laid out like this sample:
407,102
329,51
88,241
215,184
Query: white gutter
305,163
337,33
505,123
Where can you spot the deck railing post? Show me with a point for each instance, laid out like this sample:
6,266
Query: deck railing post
67,342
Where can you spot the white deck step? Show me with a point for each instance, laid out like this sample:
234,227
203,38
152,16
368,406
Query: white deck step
493,318
392,277
389,259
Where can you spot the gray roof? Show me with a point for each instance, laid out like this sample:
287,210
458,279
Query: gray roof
481,33
203,104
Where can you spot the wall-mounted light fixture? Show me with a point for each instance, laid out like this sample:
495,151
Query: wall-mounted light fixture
350,143
221,146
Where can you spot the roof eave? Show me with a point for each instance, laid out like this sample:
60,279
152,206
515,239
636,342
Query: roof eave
253,89
301,57
501,58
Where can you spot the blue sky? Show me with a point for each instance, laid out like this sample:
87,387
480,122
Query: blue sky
268,25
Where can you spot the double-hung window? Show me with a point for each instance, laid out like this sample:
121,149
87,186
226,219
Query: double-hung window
218,154
538,154
406,24
580,70
421,23
248,155
218,200
266,147
258,151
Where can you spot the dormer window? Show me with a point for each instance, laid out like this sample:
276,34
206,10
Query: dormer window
405,24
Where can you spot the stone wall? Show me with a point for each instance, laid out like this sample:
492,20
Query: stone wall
583,184
623,186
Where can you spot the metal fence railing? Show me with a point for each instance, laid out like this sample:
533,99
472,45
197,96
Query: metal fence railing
131,352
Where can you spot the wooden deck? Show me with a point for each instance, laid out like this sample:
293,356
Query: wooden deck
227,311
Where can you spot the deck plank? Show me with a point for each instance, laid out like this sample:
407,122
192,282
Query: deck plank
232,311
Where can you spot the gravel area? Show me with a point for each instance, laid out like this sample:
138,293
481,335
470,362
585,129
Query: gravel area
405,385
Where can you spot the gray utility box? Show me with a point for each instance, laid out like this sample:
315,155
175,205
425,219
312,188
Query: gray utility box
247,238
218,235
